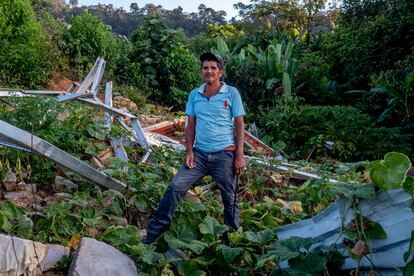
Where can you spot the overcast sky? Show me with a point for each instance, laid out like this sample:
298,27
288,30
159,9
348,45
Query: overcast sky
187,5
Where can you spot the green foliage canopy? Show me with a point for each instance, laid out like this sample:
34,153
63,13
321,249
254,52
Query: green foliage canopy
23,46
86,39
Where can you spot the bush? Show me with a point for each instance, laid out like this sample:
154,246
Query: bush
299,130
23,46
88,38
170,70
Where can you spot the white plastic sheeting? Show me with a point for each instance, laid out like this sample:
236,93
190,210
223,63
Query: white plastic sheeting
20,257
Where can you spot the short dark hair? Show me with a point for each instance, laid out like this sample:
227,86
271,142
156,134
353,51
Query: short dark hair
208,56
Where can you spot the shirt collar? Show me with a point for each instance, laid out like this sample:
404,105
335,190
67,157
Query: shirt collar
223,88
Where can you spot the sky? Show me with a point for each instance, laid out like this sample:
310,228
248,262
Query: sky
187,5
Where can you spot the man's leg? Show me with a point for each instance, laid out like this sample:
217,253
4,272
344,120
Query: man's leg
181,182
225,177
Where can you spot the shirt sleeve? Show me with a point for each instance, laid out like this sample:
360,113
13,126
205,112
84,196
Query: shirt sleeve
237,108
189,108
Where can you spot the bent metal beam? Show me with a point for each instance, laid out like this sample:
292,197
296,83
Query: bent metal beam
43,148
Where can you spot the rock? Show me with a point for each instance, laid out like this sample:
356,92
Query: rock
121,102
104,155
62,184
192,198
10,181
23,198
55,253
98,258
62,196
21,186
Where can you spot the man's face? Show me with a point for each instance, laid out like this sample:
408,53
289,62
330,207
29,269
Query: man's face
210,72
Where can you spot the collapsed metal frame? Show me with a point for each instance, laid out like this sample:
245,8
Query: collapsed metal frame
86,92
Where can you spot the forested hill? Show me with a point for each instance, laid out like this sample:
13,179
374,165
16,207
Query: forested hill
124,22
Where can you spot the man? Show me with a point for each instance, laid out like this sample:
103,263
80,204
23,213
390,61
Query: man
214,111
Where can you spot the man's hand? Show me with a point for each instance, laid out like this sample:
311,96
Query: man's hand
189,160
239,163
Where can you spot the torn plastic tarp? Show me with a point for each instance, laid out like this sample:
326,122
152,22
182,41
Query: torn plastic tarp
20,257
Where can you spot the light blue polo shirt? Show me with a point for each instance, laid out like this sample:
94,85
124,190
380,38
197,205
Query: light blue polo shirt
214,117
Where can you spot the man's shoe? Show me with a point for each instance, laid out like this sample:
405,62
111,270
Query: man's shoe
149,239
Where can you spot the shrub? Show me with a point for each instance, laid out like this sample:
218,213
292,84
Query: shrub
23,46
168,67
88,38
303,129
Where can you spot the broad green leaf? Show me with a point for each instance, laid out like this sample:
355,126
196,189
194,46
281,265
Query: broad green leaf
73,225
193,245
5,223
409,185
24,227
261,237
390,173
309,264
409,269
152,257
350,190
296,243
10,210
247,213
229,253
236,237
372,230
118,235
182,231
211,226
189,268
282,253
410,248
88,212
261,260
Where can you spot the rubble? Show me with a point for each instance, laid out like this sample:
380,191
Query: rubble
23,199
62,184
55,253
10,181
94,257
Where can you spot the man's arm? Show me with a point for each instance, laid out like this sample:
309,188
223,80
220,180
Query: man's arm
239,128
190,136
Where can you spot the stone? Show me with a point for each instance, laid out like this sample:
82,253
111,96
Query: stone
21,186
23,199
104,155
191,198
55,253
94,257
10,181
62,184
62,196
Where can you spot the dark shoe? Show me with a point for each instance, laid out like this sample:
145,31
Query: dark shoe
149,239
225,239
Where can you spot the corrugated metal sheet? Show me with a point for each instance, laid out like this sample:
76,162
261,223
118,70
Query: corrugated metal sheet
390,209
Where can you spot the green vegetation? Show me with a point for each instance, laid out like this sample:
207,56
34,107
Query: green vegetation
330,85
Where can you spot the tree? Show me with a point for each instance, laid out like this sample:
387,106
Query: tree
23,46
169,67
73,3
134,8
88,38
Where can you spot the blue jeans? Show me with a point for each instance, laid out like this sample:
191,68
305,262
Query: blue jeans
220,166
